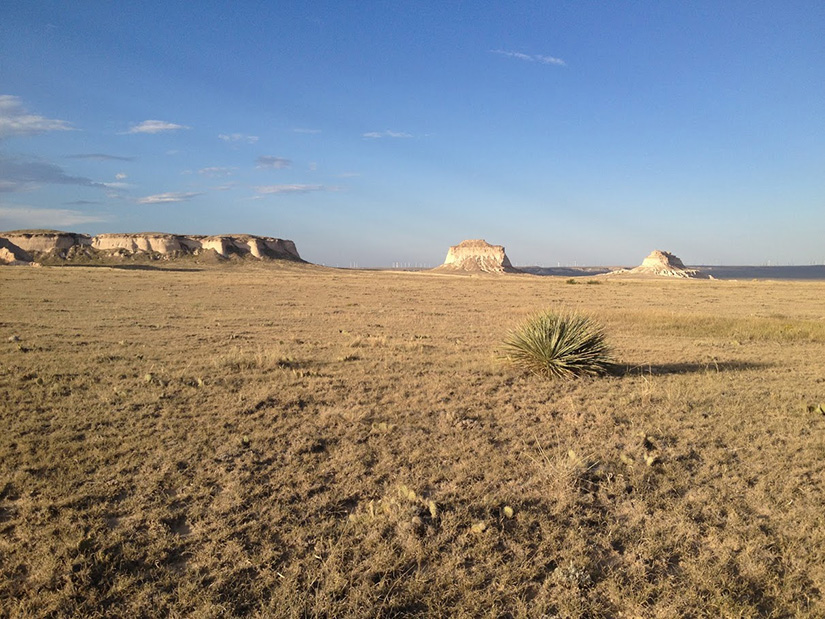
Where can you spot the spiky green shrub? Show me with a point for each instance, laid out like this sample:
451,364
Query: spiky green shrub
558,345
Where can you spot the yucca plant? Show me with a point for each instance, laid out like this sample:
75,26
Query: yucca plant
558,345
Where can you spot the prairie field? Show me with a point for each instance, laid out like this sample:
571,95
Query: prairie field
285,440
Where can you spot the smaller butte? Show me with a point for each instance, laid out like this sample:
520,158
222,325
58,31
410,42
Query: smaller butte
663,264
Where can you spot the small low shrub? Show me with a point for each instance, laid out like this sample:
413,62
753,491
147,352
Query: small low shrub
559,345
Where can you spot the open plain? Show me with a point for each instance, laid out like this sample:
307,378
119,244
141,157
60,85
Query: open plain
284,440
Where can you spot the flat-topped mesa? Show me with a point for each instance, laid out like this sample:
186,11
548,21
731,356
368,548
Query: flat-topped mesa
477,255
70,246
46,241
664,264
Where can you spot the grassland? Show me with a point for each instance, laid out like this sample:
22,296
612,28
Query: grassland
291,441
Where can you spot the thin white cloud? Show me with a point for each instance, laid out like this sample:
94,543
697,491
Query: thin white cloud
518,55
550,60
238,137
120,176
307,131
100,157
15,120
541,59
31,217
275,163
117,185
276,189
156,126
216,171
374,135
165,198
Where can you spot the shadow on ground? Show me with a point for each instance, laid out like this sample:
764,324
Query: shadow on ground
130,267
662,369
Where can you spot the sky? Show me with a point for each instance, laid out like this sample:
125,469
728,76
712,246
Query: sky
377,133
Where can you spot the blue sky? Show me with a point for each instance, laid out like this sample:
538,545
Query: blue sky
373,133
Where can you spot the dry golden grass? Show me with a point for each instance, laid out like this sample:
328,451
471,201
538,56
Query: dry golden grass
290,441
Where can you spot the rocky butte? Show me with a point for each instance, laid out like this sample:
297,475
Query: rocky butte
25,246
477,255
663,264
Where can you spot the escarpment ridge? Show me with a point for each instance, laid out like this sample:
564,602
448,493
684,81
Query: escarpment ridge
26,246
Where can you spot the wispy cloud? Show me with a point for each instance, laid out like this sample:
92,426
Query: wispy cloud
81,202
31,217
164,198
308,131
275,163
275,189
15,120
120,176
216,171
156,126
19,175
100,157
386,134
238,137
541,59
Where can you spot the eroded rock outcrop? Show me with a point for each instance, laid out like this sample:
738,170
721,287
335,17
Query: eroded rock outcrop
146,242
265,246
248,244
69,245
45,241
663,264
12,254
477,255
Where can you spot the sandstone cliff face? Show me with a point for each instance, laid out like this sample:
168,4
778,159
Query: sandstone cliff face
664,264
67,244
12,254
256,246
282,246
219,244
45,241
478,256
149,242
